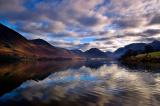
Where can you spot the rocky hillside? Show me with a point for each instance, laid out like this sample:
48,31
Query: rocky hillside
12,44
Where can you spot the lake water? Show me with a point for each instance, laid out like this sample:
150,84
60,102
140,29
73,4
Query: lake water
68,83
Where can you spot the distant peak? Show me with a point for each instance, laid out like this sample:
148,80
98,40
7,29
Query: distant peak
94,49
9,35
4,27
40,42
76,50
156,41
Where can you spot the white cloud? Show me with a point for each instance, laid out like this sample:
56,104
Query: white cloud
78,19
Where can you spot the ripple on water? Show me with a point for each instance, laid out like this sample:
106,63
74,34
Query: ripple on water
108,85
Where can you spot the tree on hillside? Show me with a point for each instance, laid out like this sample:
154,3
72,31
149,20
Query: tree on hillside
129,53
148,49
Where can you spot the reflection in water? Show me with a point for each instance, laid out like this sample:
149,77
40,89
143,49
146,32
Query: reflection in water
12,75
108,85
147,66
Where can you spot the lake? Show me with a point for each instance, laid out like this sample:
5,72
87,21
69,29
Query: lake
79,83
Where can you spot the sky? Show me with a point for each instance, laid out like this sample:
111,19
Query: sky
84,24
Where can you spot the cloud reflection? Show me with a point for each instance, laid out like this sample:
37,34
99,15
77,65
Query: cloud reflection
108,85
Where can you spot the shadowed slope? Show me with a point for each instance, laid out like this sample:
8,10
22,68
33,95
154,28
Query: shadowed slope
14,44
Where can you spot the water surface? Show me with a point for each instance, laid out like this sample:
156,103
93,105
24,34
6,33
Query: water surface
80,84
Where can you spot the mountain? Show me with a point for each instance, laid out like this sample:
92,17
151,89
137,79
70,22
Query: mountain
8,35
137,48
108,53
96,53
156,45
91,53
78,52
12,44
41,42
9,39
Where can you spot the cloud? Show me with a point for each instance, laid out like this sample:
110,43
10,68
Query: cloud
11,5
65,44
88,21
41,26
152,31
105,20
129,22
155,19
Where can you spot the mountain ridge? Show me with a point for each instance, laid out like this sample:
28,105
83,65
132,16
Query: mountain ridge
137,48
14,44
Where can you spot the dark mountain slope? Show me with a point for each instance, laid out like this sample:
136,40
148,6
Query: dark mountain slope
96,53
156,45
41,42
14,44
138,48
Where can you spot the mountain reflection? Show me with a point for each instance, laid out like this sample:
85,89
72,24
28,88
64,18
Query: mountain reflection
12,75
108,85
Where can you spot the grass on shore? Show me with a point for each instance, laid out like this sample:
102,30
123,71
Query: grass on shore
147,57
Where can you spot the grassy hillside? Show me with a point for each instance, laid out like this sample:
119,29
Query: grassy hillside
147,57
150,55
